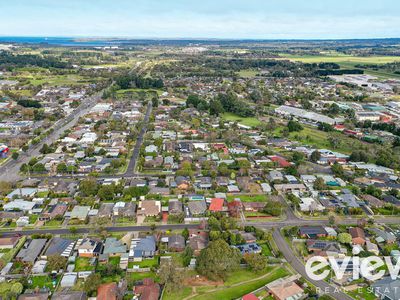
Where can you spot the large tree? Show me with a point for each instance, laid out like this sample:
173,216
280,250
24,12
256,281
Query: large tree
255,261
171,275
56,262
344,238
217,260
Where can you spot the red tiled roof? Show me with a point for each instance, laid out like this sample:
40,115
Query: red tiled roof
216,204
281,161
250,297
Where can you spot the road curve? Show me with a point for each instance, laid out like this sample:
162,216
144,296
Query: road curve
294,261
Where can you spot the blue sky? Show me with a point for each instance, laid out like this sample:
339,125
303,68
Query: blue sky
264,19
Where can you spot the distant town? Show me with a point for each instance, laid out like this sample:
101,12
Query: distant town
197,169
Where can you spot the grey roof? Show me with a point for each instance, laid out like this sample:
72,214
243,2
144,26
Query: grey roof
175,206
106,209
387,287
129,210
197,207
57,246
33,250
176,241
112,245
146,245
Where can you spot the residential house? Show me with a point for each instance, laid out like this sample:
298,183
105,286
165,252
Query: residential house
312,232
286,289
357,235
383,236
79,212
176,243
149,208
387,288
197,207
275,176
31,250
147,290
217,204
114,247
142,248
53,211
9,242
89,247
249,248
198,241
295,187
175,207
60,246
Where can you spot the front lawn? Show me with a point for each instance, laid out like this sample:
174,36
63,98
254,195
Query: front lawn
362,293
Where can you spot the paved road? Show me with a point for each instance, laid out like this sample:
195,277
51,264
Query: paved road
10,170
295,262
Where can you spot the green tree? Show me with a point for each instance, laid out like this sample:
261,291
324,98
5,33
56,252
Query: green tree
56,262
255,261
106,192
344,238
319,184
16,288
273,208
88,187
171,275
294,126
15,155
315,156
216,260
216,107
62,168
185,233
92,283
187,255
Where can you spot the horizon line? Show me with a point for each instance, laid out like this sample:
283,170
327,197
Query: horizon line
93,37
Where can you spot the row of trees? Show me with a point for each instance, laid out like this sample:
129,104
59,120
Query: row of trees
137,81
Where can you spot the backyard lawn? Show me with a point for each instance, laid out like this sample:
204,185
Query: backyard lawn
234,288
136,276
250,121
42,281
83,264
248,198
146,263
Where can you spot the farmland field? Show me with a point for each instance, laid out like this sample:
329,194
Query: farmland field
341,58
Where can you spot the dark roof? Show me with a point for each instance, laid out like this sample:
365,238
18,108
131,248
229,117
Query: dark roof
57,246
176,241
312,230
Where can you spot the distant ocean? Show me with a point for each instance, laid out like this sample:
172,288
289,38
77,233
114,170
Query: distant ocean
62,41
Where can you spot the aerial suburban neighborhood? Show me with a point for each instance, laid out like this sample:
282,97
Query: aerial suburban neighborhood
199,168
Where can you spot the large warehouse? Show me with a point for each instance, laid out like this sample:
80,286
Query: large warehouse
304,114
